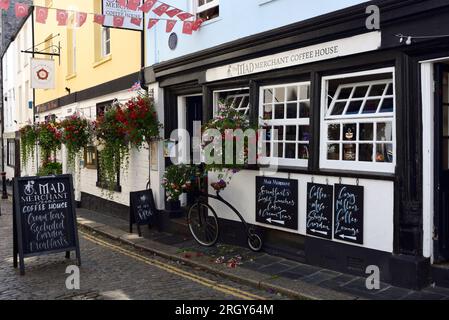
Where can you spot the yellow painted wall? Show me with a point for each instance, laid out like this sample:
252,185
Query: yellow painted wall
91,70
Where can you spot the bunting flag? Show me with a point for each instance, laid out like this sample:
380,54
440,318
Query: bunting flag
133,4
136,21
118,21
161,9
99,18
21,9
4,5
61,17
152,23
185,15
121,3
81,18
148,5
173,12
41,14
197,24
170,25
187,27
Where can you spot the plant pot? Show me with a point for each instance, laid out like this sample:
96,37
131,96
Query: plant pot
173,207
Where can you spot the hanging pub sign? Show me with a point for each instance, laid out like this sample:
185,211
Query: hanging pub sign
121,17
277,202
319,210
142,210
348,213
42,73
44,219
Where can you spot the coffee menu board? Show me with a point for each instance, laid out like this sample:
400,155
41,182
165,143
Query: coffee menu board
142,209
319,210
277,202
44,217
348,213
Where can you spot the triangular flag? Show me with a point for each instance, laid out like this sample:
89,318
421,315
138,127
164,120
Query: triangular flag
188,27
121,3
62,16
41,14
184,16
136,21
21,9
99,18
170,25
81,18
148,5
197,24
4,5
133,4
152,23
118,21
161,9
173,12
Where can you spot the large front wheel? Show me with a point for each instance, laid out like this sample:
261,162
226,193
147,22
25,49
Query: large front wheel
203,224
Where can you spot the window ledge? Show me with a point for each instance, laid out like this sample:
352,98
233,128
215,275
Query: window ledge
70,76
102,61
211,21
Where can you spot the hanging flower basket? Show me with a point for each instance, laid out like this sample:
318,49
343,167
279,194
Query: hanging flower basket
76,135
50,139
28,139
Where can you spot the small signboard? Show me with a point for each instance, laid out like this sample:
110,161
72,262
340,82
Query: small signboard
319,210
142,209
44,220
42,73
111,9
348,213
277,202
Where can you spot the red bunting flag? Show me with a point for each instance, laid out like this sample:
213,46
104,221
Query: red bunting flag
152,23
4,5
81,18
133,4
99,18
161,9
184,16
170,25
173,12
188,27
118,21
136,21
61,17
21,9
148,5
197,24
41,14
121,3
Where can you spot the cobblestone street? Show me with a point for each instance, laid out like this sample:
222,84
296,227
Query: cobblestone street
110,271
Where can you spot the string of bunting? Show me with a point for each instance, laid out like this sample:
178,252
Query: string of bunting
148,6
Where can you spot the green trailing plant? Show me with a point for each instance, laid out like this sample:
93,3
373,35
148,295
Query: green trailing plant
177,180
76,135
50,139
28,139
49,168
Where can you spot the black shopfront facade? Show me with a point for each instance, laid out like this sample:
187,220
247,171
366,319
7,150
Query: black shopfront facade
357,115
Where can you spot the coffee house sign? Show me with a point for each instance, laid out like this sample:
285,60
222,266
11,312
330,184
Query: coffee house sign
328,50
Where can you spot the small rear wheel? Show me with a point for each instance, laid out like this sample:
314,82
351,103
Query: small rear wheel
203,224
255,242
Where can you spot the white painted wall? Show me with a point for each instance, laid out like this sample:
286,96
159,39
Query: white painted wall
378,207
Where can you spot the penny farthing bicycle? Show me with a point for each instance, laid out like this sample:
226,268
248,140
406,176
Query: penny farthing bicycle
204,224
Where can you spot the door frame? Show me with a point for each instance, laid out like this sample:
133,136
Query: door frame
182,123
441,254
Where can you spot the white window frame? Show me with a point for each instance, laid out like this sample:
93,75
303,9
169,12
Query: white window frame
217,92
373,167
104,42
301,163
207,6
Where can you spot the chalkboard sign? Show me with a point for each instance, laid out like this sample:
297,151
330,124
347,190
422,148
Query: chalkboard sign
277,202
142,210
319,210
44,217
348,213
